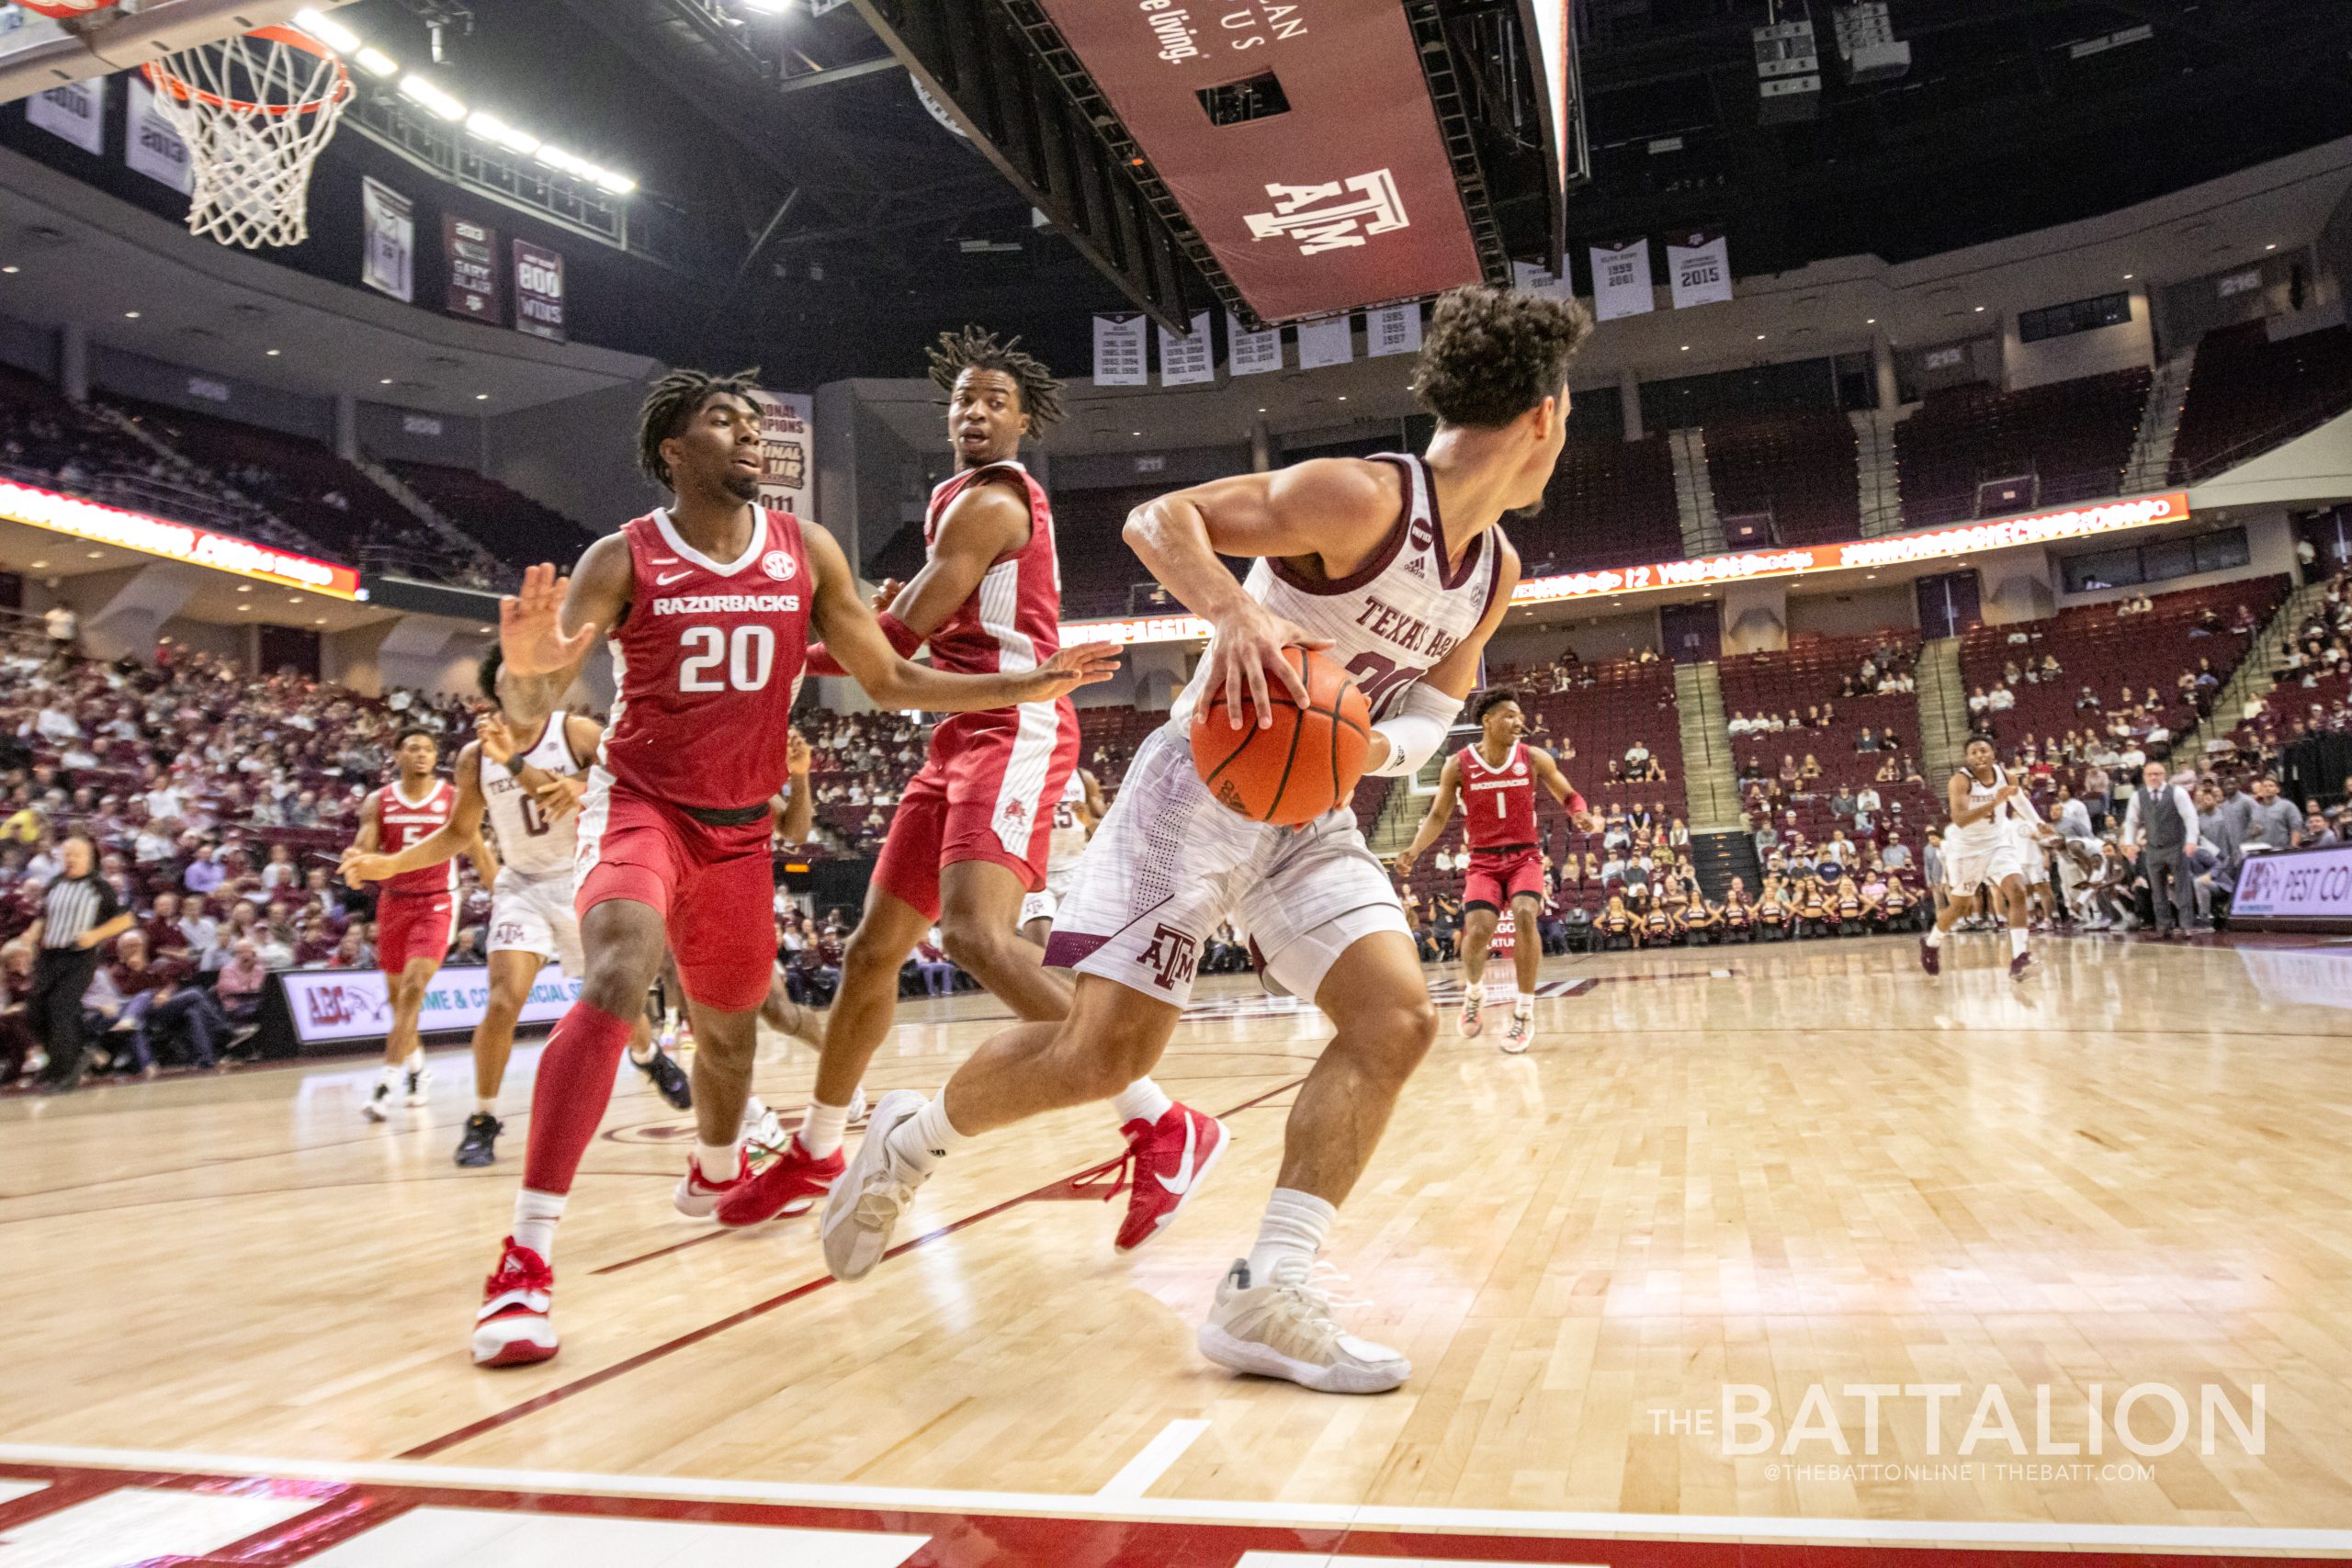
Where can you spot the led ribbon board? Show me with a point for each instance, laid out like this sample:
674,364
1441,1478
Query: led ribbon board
173,541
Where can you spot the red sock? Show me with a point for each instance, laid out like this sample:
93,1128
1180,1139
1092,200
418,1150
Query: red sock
569,1096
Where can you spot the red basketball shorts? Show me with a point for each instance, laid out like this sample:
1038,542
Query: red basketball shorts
986,792
1495,878
715,888
410,925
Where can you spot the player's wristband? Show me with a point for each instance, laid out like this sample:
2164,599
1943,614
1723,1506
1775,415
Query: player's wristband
1576,807
819,663
516,765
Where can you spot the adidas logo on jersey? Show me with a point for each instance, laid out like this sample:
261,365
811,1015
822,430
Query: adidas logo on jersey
1415,567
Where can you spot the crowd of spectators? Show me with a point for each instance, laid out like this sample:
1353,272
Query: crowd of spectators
2314,695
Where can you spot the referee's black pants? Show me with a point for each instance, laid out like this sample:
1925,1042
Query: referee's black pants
54,1005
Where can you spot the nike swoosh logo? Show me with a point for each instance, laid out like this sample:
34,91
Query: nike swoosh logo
669,577
1183,1182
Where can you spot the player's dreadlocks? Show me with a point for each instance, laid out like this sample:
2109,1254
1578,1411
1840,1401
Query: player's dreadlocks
972,349
672,402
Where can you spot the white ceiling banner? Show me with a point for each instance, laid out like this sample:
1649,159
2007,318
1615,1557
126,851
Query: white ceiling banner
1119,352
1328,341
152,147
1252,354
1392,328
1621,285
77,112
1529,278
1187,361
1699,266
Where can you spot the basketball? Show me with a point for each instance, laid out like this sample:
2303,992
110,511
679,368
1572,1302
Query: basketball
1300,766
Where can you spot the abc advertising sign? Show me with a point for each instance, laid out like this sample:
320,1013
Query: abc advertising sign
175,541
2300,889
1345,198
1895,549
331,1005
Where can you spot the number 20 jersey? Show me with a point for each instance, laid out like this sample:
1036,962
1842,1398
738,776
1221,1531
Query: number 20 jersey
705,665
1397,614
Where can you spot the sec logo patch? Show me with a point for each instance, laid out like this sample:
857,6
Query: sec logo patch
778,564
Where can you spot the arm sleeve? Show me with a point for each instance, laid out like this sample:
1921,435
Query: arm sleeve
1416,729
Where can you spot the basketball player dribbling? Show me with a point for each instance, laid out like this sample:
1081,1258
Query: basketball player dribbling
414,912
1981,848
1396,566
708,605
524,785
970,837
1496,781
1076,816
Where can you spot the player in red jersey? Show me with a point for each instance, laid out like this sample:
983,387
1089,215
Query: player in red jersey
708,605
1496,781
972,831
414,912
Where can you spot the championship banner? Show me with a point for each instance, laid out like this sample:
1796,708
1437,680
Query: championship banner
538,291
152,148
787,465
333,1005
1187,361
1325,342
387,263
1252,354
1529,278
1118,352
471,251
76,112
1393,328
1699,266
1621,280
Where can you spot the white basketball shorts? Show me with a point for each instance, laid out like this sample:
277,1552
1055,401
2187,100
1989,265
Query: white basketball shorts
536,916
1169,863
1969,867
1043,904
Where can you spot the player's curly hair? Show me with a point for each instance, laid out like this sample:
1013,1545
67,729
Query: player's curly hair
972,349
1489,701
674,401
1493,353
486,677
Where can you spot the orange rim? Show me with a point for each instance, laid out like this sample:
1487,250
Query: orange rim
294,38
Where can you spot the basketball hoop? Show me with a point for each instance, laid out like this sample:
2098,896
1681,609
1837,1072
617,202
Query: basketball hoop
254,108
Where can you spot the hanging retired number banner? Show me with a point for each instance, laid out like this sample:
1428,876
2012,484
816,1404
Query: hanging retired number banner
538,291
1188,360
471,251
1621,280
1330,342
151,146
77,112
1699,264
1119,352
1392,328
1252,354
389,264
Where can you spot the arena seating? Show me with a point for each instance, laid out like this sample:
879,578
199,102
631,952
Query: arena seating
2246,392
1610,504
508,524
1808,677
2075,436
1799,466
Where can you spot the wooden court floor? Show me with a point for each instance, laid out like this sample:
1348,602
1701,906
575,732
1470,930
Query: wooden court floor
1763,1170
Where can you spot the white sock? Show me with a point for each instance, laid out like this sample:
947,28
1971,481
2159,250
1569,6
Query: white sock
642,1054
392,1075
1935,936
1289,1237
534,1217
2017,941
416,1063
1142,1100
927,1137
486,1105
719,1162
820,1128
1523,1003
755,1110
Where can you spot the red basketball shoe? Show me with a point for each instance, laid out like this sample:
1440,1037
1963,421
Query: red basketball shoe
512,1329
789,1184
694,1197
1168,1160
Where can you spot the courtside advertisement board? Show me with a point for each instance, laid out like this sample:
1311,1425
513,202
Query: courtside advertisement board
2298,890
329,1006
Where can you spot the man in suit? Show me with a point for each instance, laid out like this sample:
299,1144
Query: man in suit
2160,827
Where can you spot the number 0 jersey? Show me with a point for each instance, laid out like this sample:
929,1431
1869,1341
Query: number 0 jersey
530,846
1396,614
705,665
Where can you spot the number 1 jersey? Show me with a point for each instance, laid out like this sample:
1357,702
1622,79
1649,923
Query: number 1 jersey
705,665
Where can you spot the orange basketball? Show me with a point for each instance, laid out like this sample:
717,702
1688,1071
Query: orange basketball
1303,764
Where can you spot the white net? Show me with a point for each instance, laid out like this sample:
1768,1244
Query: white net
253,109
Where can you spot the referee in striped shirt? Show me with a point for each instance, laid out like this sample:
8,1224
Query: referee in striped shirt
79,914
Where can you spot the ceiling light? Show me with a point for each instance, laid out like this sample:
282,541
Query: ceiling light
482,397
241,586
2127,278
327,31
1870,321
385,382
1760,337
766,8
418,88
40,565
1686,348
273,353
130,315
376,62
1343,397
619,185
2270,247
97,555
11,271
488,125
1134,432
1980,310
294,599
320,622
244,609
556,157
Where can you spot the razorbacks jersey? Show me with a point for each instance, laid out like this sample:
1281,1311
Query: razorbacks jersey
1393,617
401,822
1497,804
1013,620
1986,832
705,665
1068,841
531,846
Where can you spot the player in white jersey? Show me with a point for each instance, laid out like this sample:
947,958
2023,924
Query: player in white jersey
1982,848
529,791
1397,566
1076,815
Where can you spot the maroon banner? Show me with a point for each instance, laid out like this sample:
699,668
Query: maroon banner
538,291
1342,199
471,251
